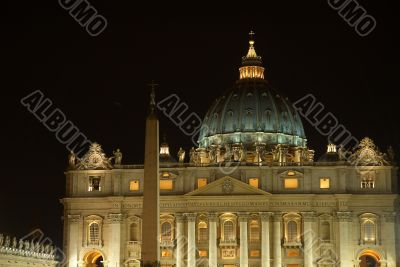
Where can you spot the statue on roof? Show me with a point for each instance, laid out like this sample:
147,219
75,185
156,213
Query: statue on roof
181,155
71,159
118,157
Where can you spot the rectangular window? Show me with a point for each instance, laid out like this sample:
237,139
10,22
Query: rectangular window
324,183
291,183
293,253
166,253
201,182
94,183
166,185
202,253
253,182
134,185
367,184
254,253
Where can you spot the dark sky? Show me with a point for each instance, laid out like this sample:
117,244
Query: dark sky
193,50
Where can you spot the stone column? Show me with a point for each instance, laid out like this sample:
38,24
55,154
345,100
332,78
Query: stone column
191,258
345,219
180,240
309,236
212,240
265,247
114,239
73,241
388,238
244,251
277,239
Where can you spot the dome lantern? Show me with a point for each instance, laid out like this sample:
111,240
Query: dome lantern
251,63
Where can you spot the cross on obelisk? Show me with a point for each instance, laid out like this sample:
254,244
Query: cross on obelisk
151,189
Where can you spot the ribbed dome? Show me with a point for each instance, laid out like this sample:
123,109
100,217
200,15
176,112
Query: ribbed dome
252,111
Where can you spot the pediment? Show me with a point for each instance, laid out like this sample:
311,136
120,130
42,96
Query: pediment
227,186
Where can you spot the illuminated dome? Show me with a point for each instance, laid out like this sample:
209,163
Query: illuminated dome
252,112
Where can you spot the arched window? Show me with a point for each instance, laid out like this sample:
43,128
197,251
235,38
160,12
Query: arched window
166,231
254,230
369,231
203,233
94,233
134,231
325,231
229,231
292,231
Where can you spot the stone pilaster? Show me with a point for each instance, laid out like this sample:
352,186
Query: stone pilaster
180,240
309,235
277,243
345,219
114,239
265,243
388,239
73,239
212,240
244,250
191,258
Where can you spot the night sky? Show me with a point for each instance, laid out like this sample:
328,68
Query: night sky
193,50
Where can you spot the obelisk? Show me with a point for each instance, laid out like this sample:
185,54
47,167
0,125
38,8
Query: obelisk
151,189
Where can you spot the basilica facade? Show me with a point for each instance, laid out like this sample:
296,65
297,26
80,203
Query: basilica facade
252,194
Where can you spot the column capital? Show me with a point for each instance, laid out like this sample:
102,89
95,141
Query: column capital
179,217
264,216
212,217
74,218
277,216
390,216
243,216
115,217
191,217
344,216
309,216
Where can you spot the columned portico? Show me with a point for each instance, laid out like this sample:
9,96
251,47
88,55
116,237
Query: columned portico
265,243
191,252
244,250
309,235
277,239
212,240
180,240
345,218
